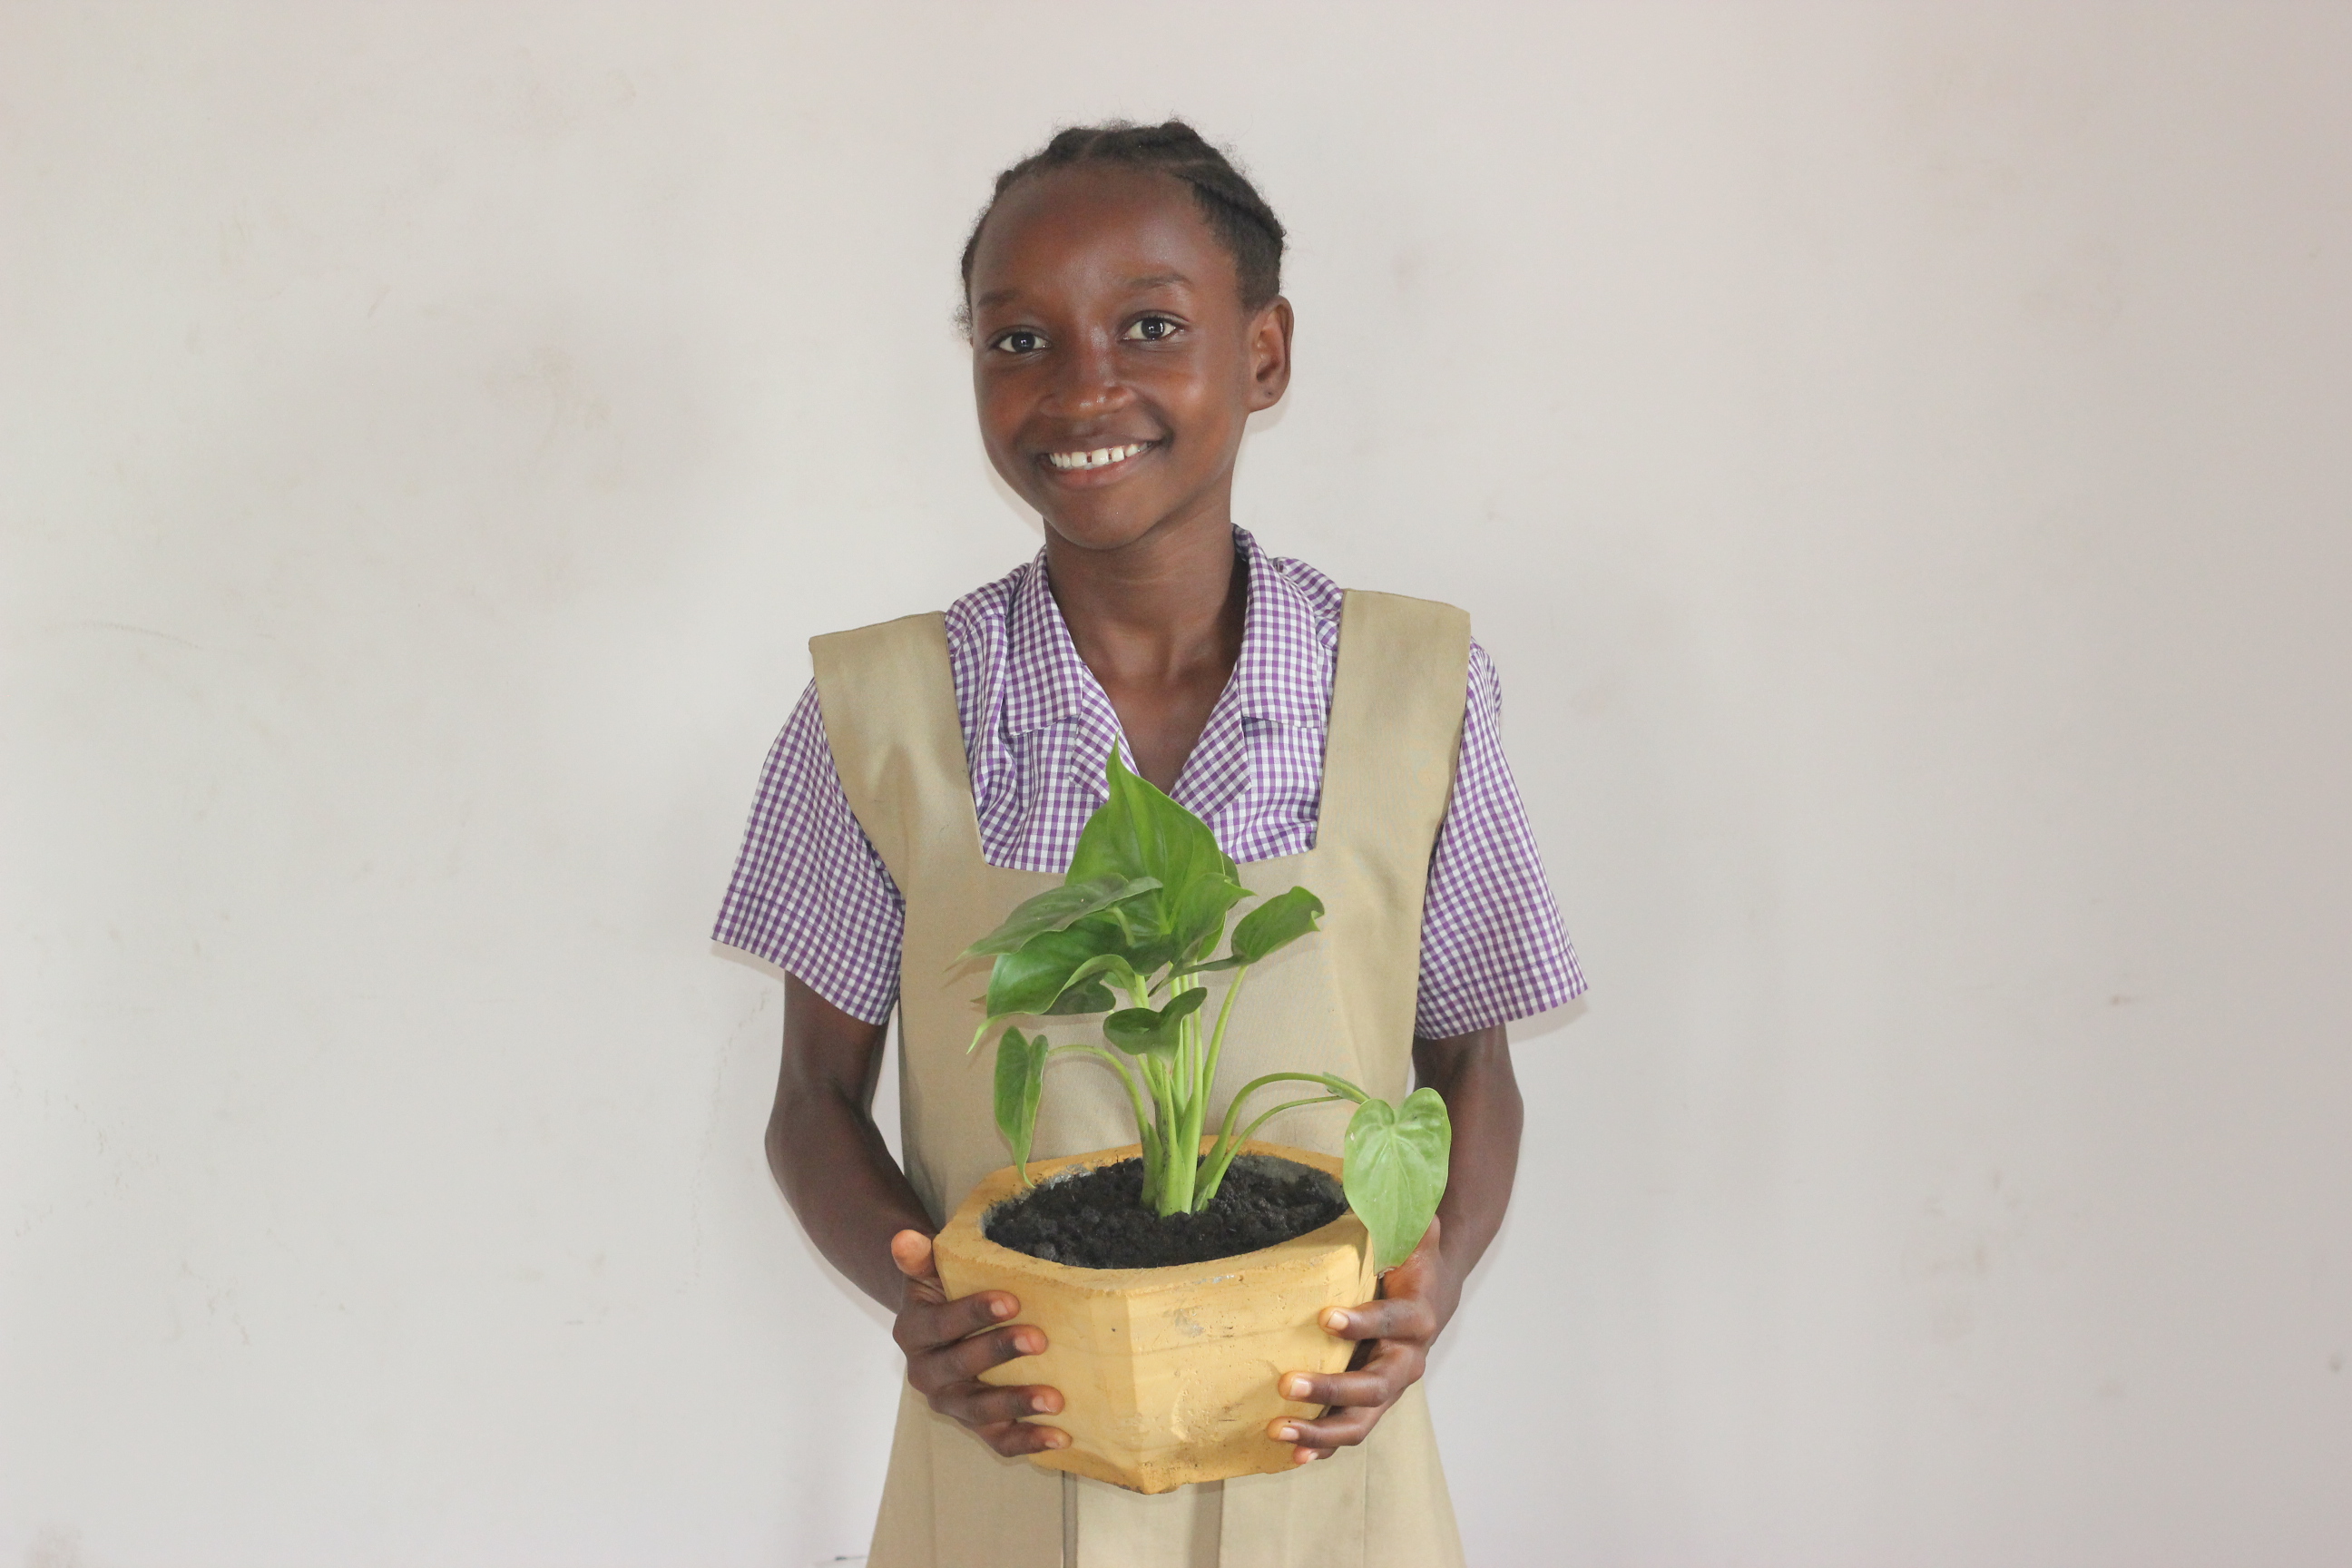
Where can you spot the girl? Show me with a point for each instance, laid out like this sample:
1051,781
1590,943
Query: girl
1122,292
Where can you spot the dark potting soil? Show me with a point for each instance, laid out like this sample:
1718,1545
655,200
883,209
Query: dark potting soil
1096,1218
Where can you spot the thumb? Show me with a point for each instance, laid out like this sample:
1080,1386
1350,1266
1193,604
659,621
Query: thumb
1409,1274
911,1251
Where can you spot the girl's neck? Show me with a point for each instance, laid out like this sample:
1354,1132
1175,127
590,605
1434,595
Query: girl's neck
1159,622
1159,605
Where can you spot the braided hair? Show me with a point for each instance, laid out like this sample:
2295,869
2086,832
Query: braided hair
1236,214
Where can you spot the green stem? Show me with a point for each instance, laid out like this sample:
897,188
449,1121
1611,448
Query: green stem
1173,1189
1200,1075
1338,1086
1188,1056
1222,1155
1217,1040
1213,1175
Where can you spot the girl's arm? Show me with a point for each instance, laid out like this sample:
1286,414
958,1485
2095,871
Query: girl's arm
1472,1073
825,1151
859,1208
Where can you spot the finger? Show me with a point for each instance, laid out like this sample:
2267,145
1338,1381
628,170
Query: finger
1374,1386
1015,1439
1399,1318
1341,1430
911,1251
980,1406
926,1322
964,1360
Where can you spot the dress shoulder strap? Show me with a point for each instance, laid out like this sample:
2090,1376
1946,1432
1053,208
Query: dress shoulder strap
889,697
1396,716
1388,777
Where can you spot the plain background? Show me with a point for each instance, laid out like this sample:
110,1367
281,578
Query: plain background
1896,453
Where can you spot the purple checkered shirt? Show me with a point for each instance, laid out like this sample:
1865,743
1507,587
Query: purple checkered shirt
811,896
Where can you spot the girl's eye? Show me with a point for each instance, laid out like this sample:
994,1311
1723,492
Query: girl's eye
1019,341
1152,329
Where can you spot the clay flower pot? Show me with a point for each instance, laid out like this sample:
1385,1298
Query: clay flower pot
1168,1374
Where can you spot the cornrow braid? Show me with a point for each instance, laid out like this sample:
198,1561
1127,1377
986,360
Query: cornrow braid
1236,214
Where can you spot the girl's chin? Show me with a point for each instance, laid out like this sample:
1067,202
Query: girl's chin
1099,527
1094,531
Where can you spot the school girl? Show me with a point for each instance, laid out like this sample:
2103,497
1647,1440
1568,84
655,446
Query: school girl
1125,318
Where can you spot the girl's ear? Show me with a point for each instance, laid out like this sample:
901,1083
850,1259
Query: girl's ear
1269,353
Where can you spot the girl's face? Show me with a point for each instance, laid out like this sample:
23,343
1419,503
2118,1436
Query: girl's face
1113,363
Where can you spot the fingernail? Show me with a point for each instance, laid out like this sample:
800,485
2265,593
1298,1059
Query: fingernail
1285,1434
1295,1387
1040,1403
1336,1320
1059,1439
1000,1308
1306,1455
1027,1344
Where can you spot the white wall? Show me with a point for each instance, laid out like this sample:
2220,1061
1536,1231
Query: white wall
1897,452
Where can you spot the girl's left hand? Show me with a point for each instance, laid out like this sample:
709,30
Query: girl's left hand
1393,1334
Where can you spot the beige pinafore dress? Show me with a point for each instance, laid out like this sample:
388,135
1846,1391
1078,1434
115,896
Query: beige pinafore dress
1341,1002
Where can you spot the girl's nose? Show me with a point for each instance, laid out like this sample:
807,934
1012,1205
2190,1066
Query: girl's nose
1089,384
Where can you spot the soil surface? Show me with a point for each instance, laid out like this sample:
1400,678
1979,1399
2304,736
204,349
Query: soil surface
1096,1218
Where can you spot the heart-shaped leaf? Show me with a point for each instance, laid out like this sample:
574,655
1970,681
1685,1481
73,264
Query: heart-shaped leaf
1020,1082
1058,909
1395,1170
1136,1030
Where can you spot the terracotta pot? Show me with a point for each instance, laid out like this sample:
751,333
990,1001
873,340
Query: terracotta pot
1168,1374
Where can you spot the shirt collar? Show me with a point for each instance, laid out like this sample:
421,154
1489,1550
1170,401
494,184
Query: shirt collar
1282,676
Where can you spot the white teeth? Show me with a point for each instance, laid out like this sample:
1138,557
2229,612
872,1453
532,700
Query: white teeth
1101,456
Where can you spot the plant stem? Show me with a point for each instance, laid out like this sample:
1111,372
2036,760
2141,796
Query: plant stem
1338,1086
1213,1175
1217,1040
1205,1084
1227,1145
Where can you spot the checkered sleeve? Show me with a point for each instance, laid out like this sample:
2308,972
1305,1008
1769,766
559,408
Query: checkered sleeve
1492,945
810,895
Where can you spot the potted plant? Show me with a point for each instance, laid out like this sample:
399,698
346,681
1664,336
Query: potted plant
1167,1353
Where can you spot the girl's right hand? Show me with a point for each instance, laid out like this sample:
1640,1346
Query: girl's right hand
949,1344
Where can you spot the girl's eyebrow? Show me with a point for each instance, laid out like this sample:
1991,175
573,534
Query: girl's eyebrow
1155,280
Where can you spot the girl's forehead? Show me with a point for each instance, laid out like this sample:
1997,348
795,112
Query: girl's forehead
1085,218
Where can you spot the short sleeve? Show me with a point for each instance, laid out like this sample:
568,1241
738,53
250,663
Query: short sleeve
810,894
1492,945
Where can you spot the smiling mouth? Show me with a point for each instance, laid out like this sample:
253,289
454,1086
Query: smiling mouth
1100,458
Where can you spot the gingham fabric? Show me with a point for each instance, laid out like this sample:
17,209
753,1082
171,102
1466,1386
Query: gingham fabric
811,896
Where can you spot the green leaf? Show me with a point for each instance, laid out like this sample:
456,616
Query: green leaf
1276,924
1058,909
1109,845
1139,831
1197,919
1136,1030
1030,978
1083,996
1214,966
1395,1171
1020,1082
1112,968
